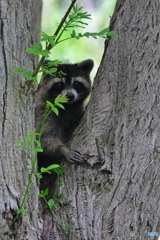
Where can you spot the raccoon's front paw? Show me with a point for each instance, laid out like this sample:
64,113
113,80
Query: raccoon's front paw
76,157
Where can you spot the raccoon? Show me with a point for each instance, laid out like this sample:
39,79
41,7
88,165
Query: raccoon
57,131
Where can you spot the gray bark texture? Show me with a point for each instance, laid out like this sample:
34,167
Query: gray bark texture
116,194
17,22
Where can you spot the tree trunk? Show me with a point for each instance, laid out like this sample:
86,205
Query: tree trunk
116,194
17,117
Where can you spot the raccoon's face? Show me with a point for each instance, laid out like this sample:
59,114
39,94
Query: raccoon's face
74,88
75,83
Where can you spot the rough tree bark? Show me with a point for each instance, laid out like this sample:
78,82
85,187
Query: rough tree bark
116,194
17,22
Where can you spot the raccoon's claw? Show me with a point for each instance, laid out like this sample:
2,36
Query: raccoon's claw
76,157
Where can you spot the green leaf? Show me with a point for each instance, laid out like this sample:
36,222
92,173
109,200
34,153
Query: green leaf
112,34
83,23
24,147
73,34
52,106
59,171
60,99
39,175
28,137
49,104
44,170
55,110
34,134
60,105
27,74
17,69
37,49
21,142
75,8
22,211
36,149
37,142
53,166
44,193
70,16
104,31
47,38
40,194
52,70
51,203
54,63
51,40
44,36
104,34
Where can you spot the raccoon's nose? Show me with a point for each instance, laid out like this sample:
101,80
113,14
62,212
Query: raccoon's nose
70,95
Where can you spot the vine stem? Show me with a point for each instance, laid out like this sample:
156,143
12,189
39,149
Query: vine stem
49,47
47,112
55,216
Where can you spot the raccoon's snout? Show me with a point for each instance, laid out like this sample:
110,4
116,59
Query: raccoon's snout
70,96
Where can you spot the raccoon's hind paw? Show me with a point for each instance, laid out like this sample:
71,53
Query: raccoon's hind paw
76,157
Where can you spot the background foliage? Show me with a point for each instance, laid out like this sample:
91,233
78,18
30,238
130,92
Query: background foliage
77,50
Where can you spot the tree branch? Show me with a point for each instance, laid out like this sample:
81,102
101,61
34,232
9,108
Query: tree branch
49,47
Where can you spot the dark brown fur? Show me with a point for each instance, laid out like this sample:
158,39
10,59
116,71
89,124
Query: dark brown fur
58,129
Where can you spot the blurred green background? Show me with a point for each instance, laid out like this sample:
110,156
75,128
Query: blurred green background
77,50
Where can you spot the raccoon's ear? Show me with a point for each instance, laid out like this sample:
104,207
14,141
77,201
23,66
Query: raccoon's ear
86,65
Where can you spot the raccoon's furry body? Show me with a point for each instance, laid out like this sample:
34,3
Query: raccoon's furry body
57,131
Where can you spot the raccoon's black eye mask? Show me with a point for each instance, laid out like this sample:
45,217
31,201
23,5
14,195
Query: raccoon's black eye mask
57,88
78,86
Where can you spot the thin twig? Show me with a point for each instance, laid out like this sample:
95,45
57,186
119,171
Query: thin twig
49,47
